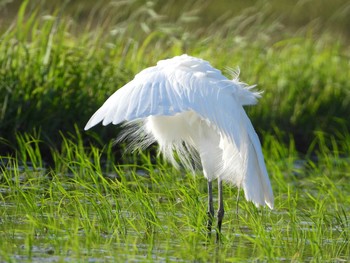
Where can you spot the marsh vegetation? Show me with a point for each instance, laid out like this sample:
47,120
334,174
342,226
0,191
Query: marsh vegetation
70,195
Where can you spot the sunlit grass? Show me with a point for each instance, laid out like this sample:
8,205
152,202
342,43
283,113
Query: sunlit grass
152,212
55,72
66,195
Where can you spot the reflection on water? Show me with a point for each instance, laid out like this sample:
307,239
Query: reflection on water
37,236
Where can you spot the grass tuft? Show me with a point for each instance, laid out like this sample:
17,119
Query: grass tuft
69,195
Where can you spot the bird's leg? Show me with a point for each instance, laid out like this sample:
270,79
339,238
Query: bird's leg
221,210
210,211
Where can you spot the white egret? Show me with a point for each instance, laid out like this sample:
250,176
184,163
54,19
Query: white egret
189,107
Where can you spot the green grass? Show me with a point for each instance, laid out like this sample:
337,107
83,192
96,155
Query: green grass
57,68
69,195
82,209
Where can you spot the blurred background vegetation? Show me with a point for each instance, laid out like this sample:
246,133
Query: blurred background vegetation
60,60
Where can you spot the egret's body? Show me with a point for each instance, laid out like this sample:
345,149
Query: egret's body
189,107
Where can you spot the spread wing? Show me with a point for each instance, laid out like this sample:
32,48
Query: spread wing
185,83
149,93
173,86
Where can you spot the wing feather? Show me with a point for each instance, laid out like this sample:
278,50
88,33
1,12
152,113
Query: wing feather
144,101
189,84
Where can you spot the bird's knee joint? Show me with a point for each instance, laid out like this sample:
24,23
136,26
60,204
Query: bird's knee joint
221,213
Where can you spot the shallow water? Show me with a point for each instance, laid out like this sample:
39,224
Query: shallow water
102,227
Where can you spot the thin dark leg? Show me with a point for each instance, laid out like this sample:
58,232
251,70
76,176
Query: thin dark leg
221,210
210,211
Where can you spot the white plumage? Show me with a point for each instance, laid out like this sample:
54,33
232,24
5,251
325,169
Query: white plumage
186,105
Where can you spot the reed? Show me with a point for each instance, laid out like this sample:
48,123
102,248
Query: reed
68,195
